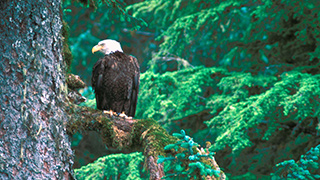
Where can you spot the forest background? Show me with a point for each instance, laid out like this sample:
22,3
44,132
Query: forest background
242,75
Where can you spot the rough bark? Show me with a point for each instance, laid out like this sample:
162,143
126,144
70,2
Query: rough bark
34,143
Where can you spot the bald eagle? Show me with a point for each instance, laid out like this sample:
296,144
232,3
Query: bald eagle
115,79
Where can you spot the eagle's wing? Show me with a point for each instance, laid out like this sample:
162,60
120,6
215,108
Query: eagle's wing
95,73
96,80
135,87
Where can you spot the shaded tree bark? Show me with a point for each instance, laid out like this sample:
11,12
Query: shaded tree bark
33,138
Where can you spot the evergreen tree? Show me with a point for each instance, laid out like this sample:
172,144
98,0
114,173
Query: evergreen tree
34,143
242,35
272,44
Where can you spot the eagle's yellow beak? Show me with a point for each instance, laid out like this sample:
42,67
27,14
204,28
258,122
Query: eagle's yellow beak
96,48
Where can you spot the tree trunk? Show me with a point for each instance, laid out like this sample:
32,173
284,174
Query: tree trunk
33,138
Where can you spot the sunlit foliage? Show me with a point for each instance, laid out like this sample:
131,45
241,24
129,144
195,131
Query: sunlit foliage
189,162
117,166
248,111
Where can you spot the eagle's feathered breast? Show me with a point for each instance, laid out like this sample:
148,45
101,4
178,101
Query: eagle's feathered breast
115,80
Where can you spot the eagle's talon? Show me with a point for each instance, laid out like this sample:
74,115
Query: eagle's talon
110,113
106,112
123,115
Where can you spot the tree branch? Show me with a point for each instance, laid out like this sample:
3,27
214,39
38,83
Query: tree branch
119,133
144,135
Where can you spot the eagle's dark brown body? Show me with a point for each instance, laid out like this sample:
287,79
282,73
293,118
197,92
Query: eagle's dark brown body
115,80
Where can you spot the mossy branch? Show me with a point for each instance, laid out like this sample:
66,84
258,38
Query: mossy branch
144,135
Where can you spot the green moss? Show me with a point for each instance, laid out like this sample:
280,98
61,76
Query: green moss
66,52
146,133
80,124
107,132
153,136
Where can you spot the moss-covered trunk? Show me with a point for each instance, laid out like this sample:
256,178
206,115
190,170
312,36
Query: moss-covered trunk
34,143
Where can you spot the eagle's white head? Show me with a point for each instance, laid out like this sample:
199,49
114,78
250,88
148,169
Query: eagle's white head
107,46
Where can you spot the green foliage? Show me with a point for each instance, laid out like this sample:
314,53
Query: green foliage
90,97
116,166
248,176
249,111
187,163
286,111
246,35
176,95
294,99
67,55
94,4
292,30
306,168
202,32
